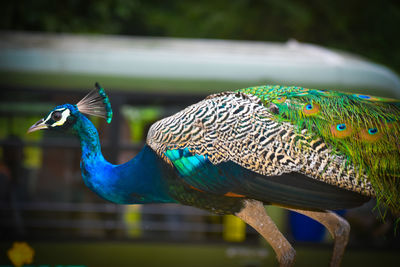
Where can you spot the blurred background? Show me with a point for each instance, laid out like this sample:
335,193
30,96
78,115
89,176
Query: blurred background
155,58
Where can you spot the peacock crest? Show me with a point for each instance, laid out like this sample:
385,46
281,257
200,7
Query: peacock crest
96,103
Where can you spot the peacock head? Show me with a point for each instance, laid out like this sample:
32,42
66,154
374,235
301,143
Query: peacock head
63,117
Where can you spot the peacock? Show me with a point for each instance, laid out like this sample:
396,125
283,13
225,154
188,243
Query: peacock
306,150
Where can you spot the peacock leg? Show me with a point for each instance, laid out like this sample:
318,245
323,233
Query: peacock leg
255,215
337,226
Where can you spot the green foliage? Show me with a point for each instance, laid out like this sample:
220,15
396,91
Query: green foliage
368,28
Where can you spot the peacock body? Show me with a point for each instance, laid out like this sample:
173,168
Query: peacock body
285,132
302,149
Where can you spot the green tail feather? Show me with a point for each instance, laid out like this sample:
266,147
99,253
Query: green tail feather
364,128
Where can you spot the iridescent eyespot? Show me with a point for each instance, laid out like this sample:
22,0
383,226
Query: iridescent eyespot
341,127
279,99
370,135
363,96
311,109
341,130
368,97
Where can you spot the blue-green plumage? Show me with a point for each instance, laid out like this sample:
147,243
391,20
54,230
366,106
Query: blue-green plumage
131,183
302,149
147,178
185,162
192,180
187,177
293,189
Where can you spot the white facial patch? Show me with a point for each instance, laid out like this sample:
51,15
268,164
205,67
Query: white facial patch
64,115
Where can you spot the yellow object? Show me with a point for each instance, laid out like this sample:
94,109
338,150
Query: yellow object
234,229
132,218
20,253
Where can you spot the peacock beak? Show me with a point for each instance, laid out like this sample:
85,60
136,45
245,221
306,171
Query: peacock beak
38,126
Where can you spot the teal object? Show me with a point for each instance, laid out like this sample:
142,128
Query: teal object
302,149
185,162
106,102
193,174
186,177
116,183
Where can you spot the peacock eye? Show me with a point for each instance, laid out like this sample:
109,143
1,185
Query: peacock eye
372,130
56,116
341,127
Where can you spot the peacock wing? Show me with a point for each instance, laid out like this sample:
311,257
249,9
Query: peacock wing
232,143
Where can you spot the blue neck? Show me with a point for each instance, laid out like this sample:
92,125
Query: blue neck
138,181
89,138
